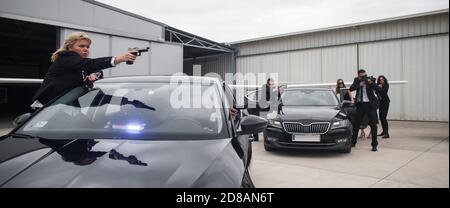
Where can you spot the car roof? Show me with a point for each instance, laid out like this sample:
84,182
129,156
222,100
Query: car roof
168,79
308,88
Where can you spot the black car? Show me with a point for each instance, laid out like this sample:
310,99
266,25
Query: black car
132,132
308,118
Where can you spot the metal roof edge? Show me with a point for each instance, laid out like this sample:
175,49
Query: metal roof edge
201,38
422,14
106,6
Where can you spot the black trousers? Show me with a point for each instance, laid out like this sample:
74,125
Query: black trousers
361,110
384,108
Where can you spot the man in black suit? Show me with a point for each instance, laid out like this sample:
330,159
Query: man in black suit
267,97
366,104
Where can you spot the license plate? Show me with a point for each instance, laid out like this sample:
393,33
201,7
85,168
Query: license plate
306,138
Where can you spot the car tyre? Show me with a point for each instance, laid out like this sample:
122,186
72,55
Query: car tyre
347,149
268,148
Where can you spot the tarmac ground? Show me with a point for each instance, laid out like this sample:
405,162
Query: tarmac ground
416,155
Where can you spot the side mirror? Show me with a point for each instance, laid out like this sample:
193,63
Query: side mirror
252,124
240,107
347,104
19,120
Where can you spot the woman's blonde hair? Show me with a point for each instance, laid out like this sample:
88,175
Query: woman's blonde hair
69,42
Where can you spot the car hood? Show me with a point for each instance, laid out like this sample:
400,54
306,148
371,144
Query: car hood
295,113
120,163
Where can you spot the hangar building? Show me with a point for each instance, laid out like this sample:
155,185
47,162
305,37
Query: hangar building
31,30
414,48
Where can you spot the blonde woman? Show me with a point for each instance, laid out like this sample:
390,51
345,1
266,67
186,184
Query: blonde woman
71,66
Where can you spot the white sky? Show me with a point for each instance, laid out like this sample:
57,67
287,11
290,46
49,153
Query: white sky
234,20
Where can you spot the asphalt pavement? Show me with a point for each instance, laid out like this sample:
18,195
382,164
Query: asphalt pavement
416,156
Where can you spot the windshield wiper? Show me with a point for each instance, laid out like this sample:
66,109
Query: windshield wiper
24,136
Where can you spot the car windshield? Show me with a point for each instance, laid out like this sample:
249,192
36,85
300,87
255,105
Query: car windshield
305,97
133,111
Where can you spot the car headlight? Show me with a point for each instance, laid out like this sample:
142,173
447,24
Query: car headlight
339,124
275,123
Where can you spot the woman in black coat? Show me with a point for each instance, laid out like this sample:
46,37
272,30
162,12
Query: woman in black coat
347,96
382,82
71,67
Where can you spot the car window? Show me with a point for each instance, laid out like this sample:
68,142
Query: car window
304,97
133,110
231,101
252,96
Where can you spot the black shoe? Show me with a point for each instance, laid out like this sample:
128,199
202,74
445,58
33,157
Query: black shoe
385,136
374,149
353,144
382,133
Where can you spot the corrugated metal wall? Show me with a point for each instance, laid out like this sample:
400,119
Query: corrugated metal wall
426,66
219,64
419,26
385,58
422,61
306,66
339,62
415,49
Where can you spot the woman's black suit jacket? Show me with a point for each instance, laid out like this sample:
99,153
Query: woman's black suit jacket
66,73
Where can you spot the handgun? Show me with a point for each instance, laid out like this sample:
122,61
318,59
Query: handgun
137,51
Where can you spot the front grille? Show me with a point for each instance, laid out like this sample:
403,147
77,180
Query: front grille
313,128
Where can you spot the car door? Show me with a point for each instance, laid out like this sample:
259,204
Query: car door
242,143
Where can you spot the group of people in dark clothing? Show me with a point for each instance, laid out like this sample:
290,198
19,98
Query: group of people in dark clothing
370,95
